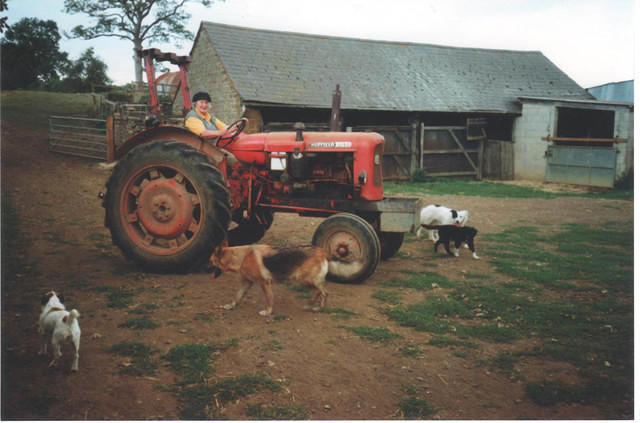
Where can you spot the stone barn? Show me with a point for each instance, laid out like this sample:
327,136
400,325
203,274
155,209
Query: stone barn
443,110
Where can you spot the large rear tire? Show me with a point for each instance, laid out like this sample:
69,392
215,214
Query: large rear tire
351,239
167,207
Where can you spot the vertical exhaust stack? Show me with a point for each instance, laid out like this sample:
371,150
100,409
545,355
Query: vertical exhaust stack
334,122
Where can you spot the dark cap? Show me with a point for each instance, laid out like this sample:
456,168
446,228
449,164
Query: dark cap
201,95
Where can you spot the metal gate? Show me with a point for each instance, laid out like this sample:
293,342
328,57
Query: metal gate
593,166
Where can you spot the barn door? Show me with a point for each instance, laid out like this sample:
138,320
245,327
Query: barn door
570,164
400,151
451,151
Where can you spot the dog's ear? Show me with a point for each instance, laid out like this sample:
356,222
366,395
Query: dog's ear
454,214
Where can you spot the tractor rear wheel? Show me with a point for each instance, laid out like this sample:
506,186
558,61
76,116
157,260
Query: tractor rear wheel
167,206
353,241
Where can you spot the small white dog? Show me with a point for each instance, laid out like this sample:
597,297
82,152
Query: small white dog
58,325
435,214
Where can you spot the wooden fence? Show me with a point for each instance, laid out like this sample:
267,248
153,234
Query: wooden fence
81,136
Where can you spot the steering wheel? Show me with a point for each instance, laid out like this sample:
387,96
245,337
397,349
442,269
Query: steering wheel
233,131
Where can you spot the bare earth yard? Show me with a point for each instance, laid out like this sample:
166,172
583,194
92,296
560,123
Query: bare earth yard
323,369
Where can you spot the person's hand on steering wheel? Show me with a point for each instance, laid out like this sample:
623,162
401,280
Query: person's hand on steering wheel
232,132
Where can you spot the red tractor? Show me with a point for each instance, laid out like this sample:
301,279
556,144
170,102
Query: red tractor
172,196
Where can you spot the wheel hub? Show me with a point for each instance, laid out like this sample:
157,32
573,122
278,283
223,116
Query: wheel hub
164,208
345,245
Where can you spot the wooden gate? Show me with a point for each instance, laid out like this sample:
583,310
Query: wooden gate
451,151
399,160
80,136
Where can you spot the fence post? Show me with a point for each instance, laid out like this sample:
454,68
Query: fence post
111,145
421,149
413,161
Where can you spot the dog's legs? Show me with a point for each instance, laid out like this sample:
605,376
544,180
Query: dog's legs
76,356
268,295
446,247
56,349
323,296
433,235
239,295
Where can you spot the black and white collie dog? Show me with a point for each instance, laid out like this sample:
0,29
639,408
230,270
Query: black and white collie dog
440,215
458,234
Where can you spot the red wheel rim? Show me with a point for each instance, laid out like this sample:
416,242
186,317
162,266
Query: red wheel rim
161,209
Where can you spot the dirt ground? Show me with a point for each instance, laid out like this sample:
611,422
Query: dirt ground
324,368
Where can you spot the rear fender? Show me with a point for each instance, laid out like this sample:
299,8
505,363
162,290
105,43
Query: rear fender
174,133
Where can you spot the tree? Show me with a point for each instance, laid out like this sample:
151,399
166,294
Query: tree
3,19
138,21
31,57
86,74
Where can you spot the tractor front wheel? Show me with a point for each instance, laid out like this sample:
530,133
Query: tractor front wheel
351,240
167,206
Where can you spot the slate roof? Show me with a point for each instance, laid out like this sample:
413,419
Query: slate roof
283,68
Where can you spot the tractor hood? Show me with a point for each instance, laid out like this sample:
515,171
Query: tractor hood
254,148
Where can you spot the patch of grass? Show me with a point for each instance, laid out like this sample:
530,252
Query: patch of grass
415,408
389,297
452,186
435,314
139,323
447,341
145,308
31,109
177,301
121,297
203,401
374,334
578,252
204,318
410,350
191,361
142,360
420,281
231,389
273,412
339,313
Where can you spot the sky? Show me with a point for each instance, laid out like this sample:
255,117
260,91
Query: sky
592,41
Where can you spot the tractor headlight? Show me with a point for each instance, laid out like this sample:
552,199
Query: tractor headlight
376,159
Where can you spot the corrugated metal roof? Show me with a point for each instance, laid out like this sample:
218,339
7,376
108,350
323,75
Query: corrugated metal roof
614,91
303,70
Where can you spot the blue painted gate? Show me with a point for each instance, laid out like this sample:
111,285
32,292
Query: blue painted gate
593,166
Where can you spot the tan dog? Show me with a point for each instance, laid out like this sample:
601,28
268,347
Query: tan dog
263,263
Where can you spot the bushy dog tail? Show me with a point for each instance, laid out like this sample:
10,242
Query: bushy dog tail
73,315
343,269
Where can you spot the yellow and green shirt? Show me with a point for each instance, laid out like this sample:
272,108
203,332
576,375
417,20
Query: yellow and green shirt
196,122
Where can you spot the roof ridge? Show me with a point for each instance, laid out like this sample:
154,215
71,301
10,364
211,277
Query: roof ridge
368,40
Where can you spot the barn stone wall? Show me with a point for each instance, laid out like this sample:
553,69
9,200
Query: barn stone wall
207,73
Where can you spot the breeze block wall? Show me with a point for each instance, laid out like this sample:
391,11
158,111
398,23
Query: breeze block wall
537,121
